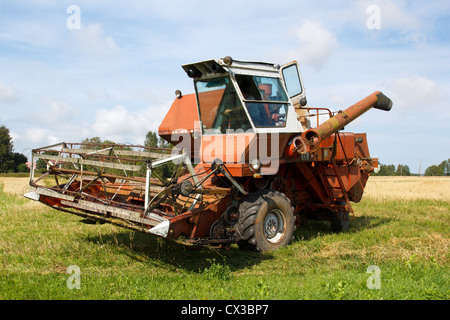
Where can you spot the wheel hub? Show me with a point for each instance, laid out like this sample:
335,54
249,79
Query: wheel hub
273,226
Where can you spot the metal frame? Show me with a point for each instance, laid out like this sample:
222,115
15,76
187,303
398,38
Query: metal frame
92,181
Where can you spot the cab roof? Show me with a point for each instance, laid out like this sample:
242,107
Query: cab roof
215,67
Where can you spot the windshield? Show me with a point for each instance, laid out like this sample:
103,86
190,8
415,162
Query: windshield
266,100
220,108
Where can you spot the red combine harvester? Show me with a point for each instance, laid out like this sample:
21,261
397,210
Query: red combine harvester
251,162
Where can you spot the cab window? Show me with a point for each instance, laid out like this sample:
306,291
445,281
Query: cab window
265,99
220,107
292,80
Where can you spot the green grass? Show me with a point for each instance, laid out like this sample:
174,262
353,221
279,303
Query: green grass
407,240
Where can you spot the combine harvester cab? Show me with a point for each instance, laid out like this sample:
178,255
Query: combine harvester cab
248,165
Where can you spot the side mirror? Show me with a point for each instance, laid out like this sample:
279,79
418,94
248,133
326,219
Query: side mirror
303,102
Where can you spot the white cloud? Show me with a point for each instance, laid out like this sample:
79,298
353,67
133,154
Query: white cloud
413,91
337,100
316,42
92,39
60,109
39,136
7,93
50,112
123,126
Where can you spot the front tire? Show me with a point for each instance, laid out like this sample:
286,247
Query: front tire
266,221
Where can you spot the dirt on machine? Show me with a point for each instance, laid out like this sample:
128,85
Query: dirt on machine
250,162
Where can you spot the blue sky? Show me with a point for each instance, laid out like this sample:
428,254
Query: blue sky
115,76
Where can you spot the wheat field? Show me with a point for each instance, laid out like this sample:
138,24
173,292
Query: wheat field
408,188
17,186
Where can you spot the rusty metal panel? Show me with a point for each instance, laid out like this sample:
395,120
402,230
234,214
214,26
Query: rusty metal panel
362,148
345,148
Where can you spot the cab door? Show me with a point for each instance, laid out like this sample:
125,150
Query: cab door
290,73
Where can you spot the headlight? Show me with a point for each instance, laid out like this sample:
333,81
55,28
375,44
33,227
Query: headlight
255,165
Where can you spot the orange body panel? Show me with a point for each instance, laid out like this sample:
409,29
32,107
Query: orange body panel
180,118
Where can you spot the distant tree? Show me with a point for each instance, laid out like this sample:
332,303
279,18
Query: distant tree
391,170
445,167
20,162
386,170
92,140
19,158
6,150
41,166
152,140
402,170
97,140
98,144
22,167
434,170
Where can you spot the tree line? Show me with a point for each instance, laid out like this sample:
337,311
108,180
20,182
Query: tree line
443,169
392,170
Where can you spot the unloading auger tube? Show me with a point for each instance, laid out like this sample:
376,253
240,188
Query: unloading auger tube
310,139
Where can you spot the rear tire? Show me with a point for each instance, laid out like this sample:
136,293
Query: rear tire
266,221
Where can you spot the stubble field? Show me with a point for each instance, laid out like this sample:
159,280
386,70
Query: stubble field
397,248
